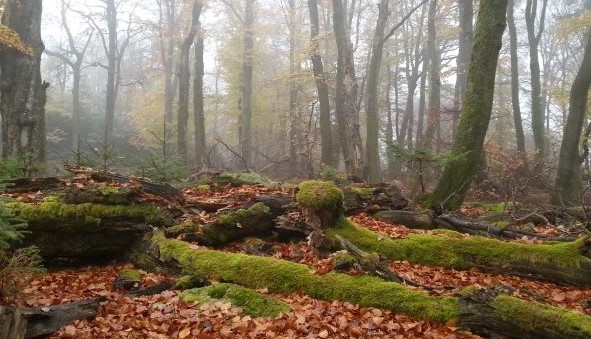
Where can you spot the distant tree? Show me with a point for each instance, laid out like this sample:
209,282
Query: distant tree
434,103
467,149
73,56
568,178
22,91
198,102
520,136
534,36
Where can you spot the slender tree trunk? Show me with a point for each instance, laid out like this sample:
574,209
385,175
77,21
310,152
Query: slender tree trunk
467,150
293,93
520,136
198,107
22,91
247,78
466,40
168,44
537,110
372,105
391,83
112,61
346,95
326,147
184,82
422,107
568,179
433,111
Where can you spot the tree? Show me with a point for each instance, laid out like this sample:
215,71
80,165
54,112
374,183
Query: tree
434,55
346,94
467,149
326,148
373,74
198,104
466,39
537,109
520,136
184,80
568,178
22,91
73,56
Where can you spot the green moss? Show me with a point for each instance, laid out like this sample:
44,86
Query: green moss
203,188
467,290
53,214
462,253
130,274
362,190
281,276
342,260
191,281
239,179
495,208
319,195
184,227
108,189
252,303
243,215
533,314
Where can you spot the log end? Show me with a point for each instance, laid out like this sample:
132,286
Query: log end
321,199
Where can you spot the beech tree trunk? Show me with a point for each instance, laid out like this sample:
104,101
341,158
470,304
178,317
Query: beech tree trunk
467,150
198,107
433,109
520,136
346,95
326,147
537,109
22,91
466,40
247,78
184,82
568,179
113,56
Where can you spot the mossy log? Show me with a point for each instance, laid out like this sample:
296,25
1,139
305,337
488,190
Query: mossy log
371,199
256,220
490,312
85,233
280,276
104,195
561,263
39,323
23,185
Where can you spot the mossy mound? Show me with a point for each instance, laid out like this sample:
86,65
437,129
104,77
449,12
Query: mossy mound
319,195
280,276
187,282
563,260
252,303
127,279
243,178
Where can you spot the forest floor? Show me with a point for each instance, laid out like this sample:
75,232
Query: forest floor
164,315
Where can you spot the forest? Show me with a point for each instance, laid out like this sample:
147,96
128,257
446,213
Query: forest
295,169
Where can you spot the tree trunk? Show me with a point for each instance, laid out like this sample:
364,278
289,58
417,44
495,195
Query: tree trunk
346,95
537,110
184,82
568,179
247,79
466,39
467,150
433,109
112,81
520,136
198,106
372,104
167,54
326,147
22,91
293,92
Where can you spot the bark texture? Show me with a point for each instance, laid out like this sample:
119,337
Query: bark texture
22,91
467,150
519,135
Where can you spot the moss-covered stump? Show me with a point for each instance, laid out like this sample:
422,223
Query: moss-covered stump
321,202
251,302
561,263
85,233
490,312
280,276
256,220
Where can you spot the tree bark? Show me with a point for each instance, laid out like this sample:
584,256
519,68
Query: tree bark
112,74
198,104
519,135
434,107
184,81
467,150
326,147
466,39
568,178
537,110
247,79
346,95
294,66
22,91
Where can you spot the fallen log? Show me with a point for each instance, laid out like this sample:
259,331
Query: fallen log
85,233
560,263
493,312
279,276
41,322
362,198
22,185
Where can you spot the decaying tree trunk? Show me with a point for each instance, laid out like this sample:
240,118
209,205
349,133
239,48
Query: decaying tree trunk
22,91
18,323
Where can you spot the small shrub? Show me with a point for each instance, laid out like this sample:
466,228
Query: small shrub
16,269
